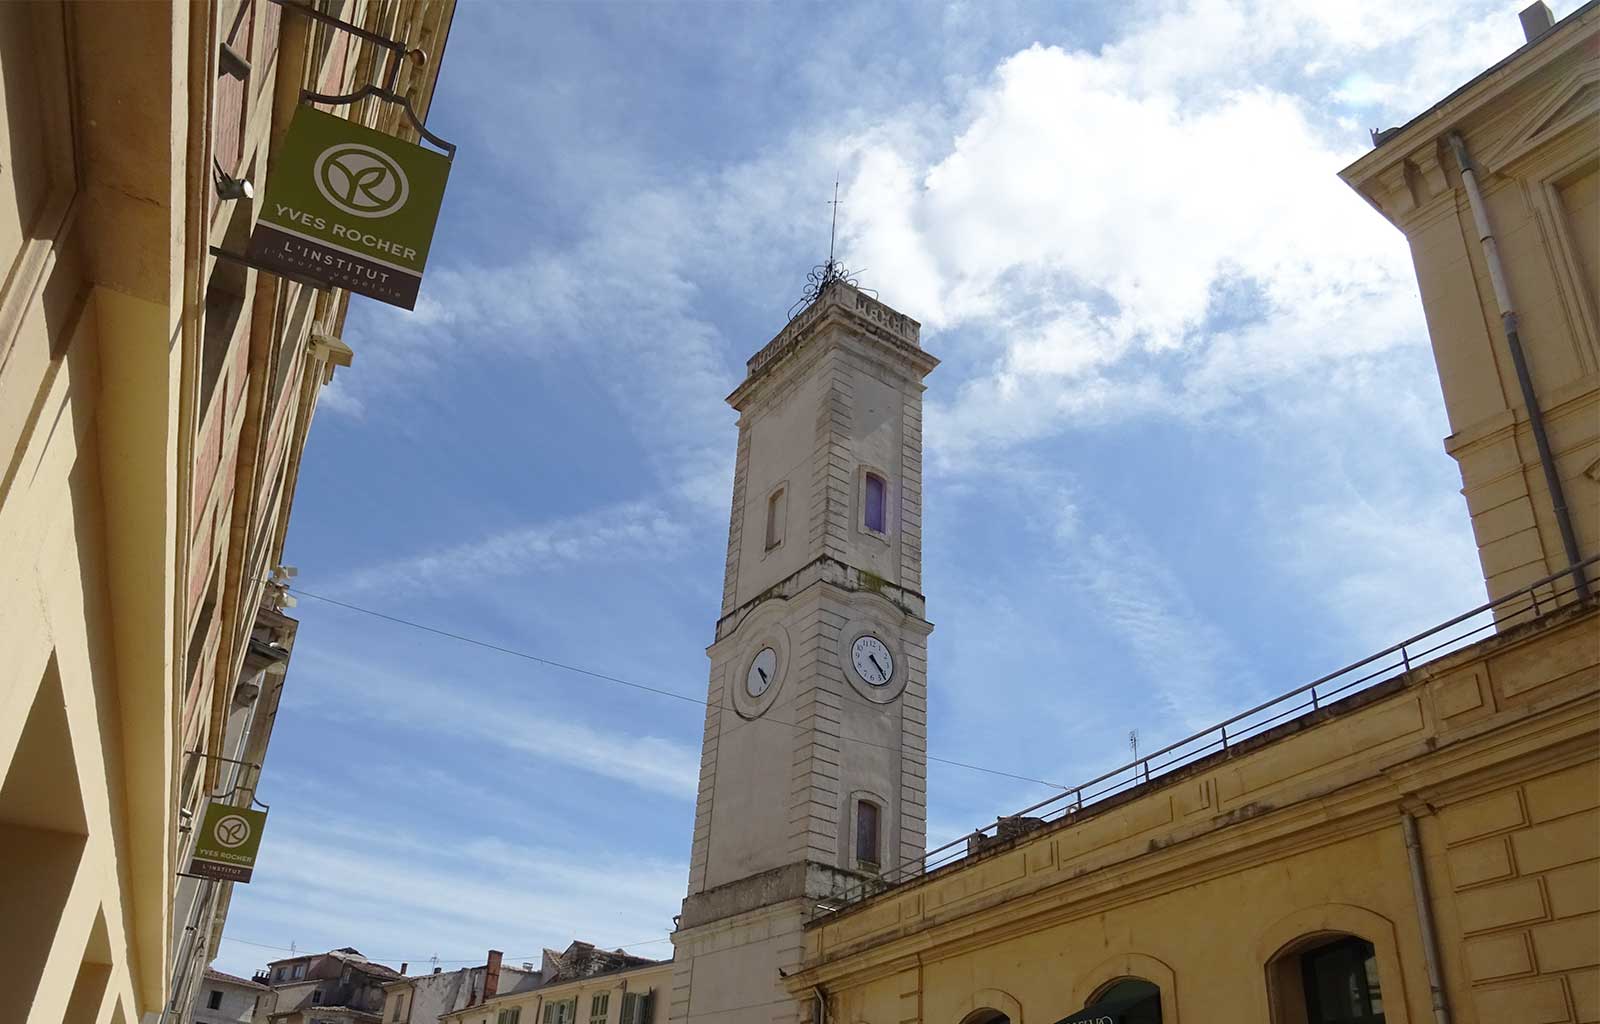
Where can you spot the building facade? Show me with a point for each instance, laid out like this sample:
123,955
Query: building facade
822,634
1415,838
425,998
224,999
611,988
155,396
1525,130
340,986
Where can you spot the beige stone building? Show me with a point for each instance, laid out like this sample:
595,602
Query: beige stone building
154,401
581,985
1527,129
1412,838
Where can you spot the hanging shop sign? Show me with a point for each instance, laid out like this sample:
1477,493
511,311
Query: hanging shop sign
226,847
350,207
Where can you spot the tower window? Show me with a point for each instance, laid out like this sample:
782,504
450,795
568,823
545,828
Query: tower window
775,518
875,503
867,833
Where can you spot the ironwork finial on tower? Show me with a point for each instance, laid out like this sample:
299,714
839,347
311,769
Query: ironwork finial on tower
826,274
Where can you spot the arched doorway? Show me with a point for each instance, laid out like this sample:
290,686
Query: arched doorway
987,1015
1124,1001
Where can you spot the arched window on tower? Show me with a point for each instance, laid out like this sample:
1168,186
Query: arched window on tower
875,503
867,841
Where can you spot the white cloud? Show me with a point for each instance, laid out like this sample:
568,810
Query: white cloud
510,718
405,897
626,532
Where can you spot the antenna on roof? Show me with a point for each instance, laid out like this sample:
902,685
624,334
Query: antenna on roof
826,274
833,228
1133,742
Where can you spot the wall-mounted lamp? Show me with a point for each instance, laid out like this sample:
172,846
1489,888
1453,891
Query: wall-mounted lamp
230,188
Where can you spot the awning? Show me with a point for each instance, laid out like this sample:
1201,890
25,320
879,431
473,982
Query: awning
1115,1012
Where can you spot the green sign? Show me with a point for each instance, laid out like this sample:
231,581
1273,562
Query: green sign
350,207
226,847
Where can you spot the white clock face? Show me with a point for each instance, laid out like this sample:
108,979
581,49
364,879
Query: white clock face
763,671
872,660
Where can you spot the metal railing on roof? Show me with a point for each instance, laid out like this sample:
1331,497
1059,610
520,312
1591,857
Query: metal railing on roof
1519,606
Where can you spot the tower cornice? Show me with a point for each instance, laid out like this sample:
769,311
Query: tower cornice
897,338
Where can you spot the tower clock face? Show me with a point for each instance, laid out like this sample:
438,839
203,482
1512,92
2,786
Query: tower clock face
763,671
872,660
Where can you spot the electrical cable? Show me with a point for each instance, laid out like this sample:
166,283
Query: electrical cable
604,677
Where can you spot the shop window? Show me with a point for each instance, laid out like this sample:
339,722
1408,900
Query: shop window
1126,1001
1339,982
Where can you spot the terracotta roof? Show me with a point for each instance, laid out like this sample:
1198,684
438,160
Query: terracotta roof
217,975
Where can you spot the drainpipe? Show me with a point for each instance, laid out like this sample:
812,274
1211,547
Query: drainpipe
1508,320
821,1016
1430,940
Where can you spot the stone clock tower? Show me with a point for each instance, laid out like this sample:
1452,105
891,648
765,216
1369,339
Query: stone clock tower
813,774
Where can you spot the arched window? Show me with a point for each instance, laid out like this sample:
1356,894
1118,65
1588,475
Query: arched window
1124,1001
1329,978
986,1016
867,842
875,503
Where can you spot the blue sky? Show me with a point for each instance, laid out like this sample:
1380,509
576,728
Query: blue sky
1183,450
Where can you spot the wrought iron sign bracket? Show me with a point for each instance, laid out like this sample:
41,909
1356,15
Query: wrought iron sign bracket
237,786
398,52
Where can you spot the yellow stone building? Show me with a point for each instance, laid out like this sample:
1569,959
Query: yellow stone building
1414,838
154,402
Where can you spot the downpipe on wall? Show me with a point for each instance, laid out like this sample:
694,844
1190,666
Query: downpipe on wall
1430,939
1519,361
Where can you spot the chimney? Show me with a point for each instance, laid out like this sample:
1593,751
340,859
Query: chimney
491,975
1536,20
403,965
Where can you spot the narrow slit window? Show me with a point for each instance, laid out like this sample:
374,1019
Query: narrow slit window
867,833
875,503
775,519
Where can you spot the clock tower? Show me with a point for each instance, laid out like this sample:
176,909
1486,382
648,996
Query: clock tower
813,773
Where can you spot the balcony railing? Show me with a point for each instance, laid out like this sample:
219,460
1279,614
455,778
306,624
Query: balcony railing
1521,605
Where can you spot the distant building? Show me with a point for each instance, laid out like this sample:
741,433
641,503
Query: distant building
337,987
224,999
584,985
424,998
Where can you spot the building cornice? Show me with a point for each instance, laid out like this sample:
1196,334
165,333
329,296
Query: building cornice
1410,167
1344,798
896,340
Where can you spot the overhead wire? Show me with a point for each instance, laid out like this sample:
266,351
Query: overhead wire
659,691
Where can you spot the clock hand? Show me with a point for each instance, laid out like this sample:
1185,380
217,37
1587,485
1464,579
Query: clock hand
763,674
874,659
